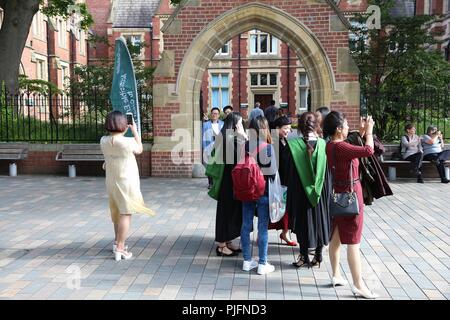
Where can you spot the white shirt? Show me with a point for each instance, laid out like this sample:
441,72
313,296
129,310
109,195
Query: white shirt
215,127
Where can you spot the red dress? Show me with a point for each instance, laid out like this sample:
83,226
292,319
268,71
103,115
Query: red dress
350,228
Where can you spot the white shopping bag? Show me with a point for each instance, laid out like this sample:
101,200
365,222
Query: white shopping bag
277,199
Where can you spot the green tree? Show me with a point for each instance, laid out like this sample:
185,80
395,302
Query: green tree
395,65
17,18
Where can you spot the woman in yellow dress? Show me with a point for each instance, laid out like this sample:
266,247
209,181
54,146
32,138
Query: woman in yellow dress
122,178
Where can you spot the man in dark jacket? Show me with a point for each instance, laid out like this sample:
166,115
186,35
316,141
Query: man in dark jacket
271,114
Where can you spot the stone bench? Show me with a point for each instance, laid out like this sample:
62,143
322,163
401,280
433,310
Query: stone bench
392,157
73,153
14,152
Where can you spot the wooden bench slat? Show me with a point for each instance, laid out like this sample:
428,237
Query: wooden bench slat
82,152
81,157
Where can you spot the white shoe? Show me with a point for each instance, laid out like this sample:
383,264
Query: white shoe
118,255
265,268
249,265
115,248
366,295
338,282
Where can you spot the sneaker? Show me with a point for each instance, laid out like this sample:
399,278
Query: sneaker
419,179
265,268
445,180
249,265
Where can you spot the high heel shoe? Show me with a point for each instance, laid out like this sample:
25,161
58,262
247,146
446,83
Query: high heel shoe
317,260
366,295
119,255
220,253
338,282
304,262
289,243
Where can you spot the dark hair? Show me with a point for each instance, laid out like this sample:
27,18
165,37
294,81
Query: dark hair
282,121
307,123
227,107
215,108
116,122
409,126
324,111
272,102
230,122
431,128
333,121
261,125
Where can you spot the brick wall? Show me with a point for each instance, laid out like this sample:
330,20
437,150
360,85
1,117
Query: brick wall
43,162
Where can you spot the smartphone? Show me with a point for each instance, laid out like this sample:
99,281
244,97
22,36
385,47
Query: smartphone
129,118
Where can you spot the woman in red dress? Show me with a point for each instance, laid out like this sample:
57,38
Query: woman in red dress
347,230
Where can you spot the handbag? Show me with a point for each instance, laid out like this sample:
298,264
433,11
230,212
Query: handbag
277,199
343,204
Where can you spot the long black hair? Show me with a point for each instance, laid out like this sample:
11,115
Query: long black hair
307,124
333,121
230,122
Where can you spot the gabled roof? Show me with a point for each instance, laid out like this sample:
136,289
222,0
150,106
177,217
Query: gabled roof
133,13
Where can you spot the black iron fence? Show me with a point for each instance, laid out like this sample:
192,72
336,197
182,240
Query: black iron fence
62,118
392,111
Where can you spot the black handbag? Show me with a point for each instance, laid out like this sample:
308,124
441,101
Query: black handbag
343,204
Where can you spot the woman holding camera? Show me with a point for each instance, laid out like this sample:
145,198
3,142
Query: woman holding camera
343,157
433,145
122,178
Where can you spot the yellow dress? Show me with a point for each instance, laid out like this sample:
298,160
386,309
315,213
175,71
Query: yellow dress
122,176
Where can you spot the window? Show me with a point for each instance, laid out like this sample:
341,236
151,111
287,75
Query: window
37,25
262,43
303,91
1,17
64,74
41,70
445,11
359,39
62,33
220,90
82,42
225,50
134,40
263,79
426,6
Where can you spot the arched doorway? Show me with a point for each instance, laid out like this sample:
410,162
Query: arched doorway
179,75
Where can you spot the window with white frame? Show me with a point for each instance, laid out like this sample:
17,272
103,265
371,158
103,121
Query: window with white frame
262,43
82,40
225,50
303,90
64,74
37,25
427,7
62,33
220,90
263,79
41,69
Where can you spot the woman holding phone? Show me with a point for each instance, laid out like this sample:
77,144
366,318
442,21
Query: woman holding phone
122,178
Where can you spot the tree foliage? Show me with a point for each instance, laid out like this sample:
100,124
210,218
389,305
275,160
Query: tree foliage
396,64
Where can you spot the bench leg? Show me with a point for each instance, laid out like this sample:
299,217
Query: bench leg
72,171
392,173
12,170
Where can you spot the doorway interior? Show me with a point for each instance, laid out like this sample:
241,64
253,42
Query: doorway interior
264,99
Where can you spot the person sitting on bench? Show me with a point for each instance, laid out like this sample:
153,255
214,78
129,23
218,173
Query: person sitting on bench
412,150
433,145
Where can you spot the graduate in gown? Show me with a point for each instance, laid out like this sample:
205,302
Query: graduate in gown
309,191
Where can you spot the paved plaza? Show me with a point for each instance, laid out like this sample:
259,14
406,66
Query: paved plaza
56,240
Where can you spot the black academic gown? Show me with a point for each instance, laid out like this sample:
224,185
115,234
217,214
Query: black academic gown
310,224
229,210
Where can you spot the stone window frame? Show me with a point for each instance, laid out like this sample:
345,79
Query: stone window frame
141,34
268,73
64,65
62,33
302,87
269,53
41,67
220,53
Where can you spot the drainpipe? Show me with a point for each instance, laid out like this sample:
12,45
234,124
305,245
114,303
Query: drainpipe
288,77
239,70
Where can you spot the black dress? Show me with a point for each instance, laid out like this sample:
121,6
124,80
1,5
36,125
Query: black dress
310,224
229,210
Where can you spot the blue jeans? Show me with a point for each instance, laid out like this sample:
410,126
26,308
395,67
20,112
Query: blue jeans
248,212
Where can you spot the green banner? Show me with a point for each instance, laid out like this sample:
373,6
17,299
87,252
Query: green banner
124,90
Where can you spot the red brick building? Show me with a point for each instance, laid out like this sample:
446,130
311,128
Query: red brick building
54,46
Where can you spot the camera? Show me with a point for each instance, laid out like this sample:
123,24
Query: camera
129,118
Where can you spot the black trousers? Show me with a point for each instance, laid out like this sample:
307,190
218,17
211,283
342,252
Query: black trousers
440,158
416,162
